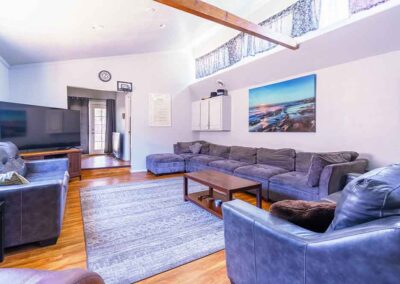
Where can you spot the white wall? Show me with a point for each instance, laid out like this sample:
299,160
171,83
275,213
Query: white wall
358,108
169,72
4,80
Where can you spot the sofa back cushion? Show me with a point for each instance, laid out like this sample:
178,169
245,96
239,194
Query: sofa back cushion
371,196
303,159
282,158
243,154
219,151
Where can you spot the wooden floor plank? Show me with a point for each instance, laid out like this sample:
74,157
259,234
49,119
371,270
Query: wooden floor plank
69,252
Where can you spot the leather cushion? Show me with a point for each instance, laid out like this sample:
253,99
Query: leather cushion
282,158
243,154
319,162
314,216
371,196
219,151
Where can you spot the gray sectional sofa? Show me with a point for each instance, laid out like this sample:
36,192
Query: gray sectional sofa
282,172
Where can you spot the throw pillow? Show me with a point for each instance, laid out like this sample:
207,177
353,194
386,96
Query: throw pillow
12,178
318,163
314,216
371,196
195,148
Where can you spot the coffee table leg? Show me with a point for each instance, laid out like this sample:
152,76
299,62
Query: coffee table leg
230,196
210,192
185,188
259,197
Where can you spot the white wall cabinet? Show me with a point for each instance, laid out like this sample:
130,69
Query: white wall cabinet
212,114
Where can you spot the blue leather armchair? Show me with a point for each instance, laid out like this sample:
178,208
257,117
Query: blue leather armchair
261,248
33,212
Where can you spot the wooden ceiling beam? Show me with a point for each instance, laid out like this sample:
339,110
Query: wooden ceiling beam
217,15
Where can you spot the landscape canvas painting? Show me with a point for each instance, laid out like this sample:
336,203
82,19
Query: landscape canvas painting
284,107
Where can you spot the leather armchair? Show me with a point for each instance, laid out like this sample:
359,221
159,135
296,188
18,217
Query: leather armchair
261,248
34,212
31,276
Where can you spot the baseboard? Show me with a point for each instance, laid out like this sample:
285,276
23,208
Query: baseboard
138,171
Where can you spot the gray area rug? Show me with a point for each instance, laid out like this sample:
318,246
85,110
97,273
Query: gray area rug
134,231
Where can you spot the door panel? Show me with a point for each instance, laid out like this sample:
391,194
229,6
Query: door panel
98,116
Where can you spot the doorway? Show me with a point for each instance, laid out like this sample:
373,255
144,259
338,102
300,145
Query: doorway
97,126
105,126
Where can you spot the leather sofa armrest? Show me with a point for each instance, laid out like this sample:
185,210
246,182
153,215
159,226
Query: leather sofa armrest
333,177
367,253
32,211
257,241
47,165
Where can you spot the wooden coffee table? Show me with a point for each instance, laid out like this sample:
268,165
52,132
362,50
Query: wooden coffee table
220,187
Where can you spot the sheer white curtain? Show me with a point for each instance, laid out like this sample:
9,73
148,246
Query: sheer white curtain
333,11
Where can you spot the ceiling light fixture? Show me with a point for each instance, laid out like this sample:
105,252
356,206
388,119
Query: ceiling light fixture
163,26
97,27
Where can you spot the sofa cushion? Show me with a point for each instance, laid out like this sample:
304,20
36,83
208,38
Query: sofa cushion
282,158
204,159
219,151
243,154
205,148
319,162
187,156
294,180
314,216
371,196
260,171
303,159
227,165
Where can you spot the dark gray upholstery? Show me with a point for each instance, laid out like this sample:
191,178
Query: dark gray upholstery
200,162
227,166
219,151
243,154
271,164
319,162
282,158
160,164
303,159
34,212
31,276
260,171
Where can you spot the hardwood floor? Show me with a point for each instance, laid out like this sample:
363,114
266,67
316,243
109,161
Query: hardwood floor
90,162
69,252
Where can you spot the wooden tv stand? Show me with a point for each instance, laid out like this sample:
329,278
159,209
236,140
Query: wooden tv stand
73,155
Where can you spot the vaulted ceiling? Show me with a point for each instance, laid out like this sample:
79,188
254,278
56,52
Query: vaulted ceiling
47,30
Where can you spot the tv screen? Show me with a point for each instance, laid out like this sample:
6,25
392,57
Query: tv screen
34,127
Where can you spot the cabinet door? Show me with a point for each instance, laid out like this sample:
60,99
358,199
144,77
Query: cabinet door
196,114
216,113
204,116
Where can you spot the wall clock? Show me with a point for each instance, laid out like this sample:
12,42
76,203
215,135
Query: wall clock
104,76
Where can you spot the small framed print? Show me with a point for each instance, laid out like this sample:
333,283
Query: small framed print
124,86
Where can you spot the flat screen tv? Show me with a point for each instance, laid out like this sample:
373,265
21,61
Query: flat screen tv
35,127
